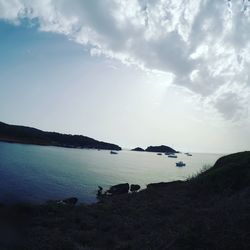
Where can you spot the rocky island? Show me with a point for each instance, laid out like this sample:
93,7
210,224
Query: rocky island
27,135
156,149
160,149
138,149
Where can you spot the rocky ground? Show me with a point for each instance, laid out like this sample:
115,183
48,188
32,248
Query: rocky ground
209,211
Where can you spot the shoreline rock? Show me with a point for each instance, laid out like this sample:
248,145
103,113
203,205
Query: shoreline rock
134,187
122,188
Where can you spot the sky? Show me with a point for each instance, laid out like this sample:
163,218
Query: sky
130,72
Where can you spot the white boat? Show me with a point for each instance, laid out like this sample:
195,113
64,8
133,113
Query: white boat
113,153
172,156
180,164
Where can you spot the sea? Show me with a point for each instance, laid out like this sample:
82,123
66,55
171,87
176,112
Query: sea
36,174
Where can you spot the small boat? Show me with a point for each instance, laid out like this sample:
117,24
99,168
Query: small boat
113,153
180,164
188,154
172,156
159,153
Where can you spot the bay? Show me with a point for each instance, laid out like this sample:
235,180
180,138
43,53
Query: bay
31,173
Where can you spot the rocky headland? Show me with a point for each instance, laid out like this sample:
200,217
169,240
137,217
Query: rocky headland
28,135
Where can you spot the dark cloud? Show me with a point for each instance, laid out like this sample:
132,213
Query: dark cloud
231,106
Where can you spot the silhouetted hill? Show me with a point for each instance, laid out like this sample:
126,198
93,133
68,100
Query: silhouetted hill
230,173
161,149
27,135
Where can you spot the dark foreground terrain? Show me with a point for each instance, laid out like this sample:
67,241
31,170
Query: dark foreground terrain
209,211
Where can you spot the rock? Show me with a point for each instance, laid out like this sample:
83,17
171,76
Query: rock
134,187
99,191
119,189
138,149
70,201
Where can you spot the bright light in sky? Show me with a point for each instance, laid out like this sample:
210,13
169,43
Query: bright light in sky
131,72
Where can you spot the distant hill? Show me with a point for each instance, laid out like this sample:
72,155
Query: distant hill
161,149
27,135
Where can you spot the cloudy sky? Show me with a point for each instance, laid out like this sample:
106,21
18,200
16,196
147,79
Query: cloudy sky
131,72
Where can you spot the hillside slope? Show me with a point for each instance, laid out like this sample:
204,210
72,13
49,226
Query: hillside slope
27,135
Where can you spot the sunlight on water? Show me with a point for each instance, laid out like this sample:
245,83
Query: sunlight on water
38,173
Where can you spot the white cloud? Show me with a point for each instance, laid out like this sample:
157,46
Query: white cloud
204,44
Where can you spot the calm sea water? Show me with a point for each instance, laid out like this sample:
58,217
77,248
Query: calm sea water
38,173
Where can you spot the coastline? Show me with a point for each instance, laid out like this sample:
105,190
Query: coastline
33,136
208,211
